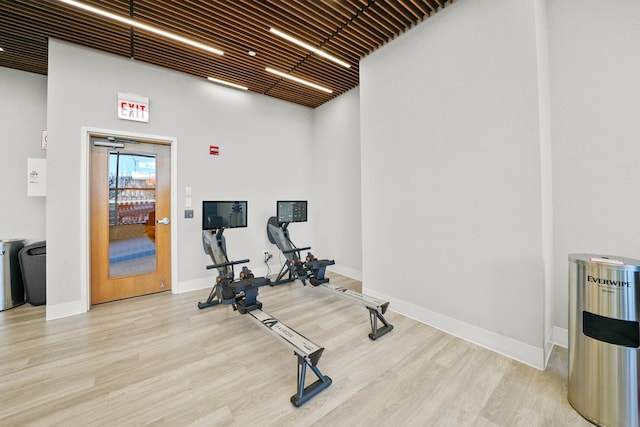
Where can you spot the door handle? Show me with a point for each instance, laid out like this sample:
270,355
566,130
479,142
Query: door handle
164,221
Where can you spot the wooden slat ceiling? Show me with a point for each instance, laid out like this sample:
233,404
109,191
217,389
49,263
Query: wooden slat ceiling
347,29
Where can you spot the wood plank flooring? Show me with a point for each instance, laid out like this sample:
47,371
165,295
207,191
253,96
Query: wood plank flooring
159,360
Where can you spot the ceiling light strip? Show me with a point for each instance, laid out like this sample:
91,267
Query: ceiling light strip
309,47
222,82
144,27
298,80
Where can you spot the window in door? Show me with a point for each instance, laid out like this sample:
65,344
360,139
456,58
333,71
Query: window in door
132,205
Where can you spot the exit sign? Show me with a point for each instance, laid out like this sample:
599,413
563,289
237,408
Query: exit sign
133,107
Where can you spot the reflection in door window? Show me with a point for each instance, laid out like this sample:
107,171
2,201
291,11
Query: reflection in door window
132,206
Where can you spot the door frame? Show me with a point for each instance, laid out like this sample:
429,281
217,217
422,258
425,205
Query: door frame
85,175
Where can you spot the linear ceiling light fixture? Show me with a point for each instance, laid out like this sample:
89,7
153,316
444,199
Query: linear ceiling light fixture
309,47
296,79
141,26
222,82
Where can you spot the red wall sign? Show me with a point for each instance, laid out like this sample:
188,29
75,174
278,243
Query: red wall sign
133,107
214,150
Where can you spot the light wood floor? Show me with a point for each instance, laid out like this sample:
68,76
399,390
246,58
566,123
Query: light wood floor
159,360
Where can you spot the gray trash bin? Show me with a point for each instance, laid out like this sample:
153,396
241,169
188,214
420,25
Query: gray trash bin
11,288
604,336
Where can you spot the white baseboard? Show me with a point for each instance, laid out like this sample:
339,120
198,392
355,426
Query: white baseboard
522,352
65,309
561,337
346,271
548,346
58,311
194,285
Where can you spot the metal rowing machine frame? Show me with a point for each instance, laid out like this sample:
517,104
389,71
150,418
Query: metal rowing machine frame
307,352
244,299
294,268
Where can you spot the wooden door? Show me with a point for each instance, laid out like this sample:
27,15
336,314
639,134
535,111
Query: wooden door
130,211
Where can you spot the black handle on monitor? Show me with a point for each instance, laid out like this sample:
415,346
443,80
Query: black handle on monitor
226,264
288,251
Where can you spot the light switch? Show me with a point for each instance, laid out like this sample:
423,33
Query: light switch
187,202
187,191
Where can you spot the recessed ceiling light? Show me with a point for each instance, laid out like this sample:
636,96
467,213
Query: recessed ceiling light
1,49
252,53
144,27
298,80
222,82
309,47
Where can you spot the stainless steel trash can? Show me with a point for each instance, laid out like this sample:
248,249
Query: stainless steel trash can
604,336
11,288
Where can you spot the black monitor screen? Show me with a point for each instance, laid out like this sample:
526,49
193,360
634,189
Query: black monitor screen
217,215
292,211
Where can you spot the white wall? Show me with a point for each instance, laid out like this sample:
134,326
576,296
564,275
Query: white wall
261,143
451,175
335,209
595,86
23,106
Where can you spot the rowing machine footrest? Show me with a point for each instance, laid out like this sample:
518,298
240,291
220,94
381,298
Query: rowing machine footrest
318,268
317,282
247,293
312,262
244,308
319,263
228,292
250,282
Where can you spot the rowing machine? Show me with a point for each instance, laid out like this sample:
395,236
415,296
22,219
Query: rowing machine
313,269
242,294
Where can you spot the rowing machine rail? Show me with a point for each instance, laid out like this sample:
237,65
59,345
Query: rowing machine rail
313,269
242,295
307,352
